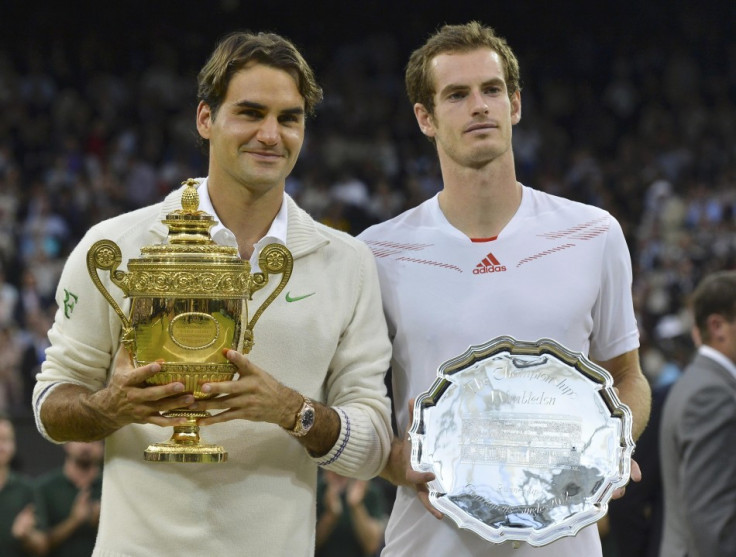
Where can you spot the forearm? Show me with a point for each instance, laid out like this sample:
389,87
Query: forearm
633,388
636,394
35,542
368,530
325,526
62,531
70,413
395,469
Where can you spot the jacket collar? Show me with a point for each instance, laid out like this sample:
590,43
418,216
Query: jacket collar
705,351
302,236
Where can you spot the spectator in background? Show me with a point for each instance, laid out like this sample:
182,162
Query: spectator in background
11,379
351,516
45,232
22,515
31,301
698,432
349,189
71,496
9,299
386,201
10,204
34,341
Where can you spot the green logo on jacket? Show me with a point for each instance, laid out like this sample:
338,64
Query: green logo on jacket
70,300
297,298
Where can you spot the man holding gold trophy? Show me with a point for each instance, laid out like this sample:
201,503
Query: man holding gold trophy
163,343
490,258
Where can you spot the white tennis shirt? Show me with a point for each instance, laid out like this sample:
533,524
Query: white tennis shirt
558,270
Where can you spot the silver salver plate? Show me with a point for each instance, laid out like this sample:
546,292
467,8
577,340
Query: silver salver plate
527,440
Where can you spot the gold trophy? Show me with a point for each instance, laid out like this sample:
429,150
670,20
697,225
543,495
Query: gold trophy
189,302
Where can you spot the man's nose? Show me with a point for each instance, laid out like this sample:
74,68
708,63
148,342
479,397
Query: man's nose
479,104
268,131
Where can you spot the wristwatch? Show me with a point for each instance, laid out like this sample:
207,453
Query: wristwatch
304,419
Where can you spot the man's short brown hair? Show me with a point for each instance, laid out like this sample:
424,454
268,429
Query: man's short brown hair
456,38
714,295
237,49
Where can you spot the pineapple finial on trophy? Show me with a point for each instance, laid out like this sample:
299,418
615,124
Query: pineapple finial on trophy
190,197
189,225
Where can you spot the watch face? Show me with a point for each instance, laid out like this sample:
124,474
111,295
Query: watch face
307,418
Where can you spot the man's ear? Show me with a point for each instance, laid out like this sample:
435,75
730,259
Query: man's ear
204,119
516,108
424,119
717,330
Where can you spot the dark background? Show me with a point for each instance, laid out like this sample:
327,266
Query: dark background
578,32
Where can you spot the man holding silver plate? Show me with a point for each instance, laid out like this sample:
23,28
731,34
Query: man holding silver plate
310,391
496,296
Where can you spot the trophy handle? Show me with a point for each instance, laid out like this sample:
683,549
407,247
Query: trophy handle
106,255
274,259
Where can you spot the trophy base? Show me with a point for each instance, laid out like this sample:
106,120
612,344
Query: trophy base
185,445
175,452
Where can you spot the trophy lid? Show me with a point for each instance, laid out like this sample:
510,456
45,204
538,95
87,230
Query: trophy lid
189,233
190,263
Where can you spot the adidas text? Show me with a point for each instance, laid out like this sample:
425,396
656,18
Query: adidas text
489,269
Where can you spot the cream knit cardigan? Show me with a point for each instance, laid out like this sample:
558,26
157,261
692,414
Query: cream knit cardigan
331,346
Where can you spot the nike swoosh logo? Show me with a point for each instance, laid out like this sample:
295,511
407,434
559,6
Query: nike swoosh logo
297,298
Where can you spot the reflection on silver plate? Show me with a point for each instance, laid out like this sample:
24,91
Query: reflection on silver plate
527,440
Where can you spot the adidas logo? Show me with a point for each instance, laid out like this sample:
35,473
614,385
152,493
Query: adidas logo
489,264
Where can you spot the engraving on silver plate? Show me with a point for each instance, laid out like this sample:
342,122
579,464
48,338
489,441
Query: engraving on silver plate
527,440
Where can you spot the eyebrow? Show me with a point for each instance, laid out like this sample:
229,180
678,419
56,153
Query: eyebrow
459,87
297,110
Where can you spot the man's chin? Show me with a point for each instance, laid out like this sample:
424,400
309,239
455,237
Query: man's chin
263,182
265,177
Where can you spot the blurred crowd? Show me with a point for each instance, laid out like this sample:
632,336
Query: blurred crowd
645,129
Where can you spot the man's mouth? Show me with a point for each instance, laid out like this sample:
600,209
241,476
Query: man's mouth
480,126
266,155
